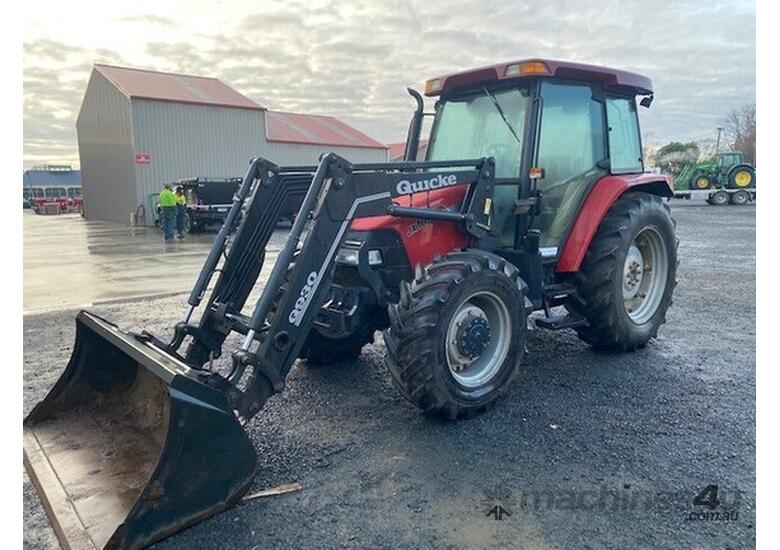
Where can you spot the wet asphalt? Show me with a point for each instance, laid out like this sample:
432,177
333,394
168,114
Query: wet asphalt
586,450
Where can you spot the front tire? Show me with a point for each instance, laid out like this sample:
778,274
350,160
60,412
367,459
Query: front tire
625,284
457,336
701,181
322,348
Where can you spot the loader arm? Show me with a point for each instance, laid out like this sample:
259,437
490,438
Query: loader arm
339,193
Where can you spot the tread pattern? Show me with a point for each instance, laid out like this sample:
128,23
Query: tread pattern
594,299
412,335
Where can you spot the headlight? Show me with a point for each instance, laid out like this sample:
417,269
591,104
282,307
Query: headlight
374,257
349,256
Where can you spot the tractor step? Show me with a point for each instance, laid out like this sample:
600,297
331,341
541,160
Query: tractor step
559,322
559,290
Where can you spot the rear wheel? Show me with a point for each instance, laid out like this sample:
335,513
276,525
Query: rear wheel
457,335
719,198
740,198
625,283
742,177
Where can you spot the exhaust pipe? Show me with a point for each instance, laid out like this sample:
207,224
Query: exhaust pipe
130,447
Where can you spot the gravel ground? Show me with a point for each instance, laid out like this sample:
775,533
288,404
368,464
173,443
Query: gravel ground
605,428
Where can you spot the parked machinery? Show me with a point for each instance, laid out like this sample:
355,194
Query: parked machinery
532,196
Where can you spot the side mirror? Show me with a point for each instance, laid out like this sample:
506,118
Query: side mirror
646,101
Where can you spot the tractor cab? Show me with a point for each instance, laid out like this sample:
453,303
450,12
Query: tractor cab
727,160
553,128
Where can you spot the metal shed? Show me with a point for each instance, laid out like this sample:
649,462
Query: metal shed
138,129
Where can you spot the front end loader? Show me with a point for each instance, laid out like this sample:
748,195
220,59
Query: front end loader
532,198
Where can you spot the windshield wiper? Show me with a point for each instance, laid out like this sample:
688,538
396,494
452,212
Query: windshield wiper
501,112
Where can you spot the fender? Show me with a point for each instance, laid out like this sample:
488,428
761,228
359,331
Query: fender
600,199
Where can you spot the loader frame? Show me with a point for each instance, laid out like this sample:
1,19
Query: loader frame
338,192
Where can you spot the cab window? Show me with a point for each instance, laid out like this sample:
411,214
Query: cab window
571,144
486,124
625,152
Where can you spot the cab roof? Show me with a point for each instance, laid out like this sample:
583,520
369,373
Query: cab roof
614,79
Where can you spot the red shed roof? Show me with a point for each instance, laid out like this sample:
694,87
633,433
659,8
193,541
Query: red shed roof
397,150
611,78
179,88
315,130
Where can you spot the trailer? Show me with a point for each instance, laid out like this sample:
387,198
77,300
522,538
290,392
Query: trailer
718,197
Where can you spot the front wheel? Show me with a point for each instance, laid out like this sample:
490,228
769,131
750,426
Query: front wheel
625,284
701,181
324,347
457,335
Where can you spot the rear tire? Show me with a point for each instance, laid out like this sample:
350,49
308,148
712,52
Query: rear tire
742,177
457,336
626,280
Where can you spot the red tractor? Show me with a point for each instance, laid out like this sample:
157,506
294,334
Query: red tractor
532,196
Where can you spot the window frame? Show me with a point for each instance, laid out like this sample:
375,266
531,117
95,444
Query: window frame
632,99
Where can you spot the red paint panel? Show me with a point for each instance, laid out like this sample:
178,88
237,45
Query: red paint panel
604,193
423,239
315,130
560,69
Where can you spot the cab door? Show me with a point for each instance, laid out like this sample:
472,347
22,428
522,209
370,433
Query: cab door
571,150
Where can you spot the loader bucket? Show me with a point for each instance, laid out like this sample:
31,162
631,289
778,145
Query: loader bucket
128,448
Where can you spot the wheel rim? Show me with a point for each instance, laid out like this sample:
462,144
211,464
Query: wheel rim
743,178
702,183
721,197
645,271
740,197
478,339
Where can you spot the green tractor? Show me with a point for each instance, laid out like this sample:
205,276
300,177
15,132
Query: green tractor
727,170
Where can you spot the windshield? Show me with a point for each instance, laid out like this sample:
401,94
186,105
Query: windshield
483,124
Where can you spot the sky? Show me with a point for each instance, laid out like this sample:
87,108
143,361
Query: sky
353,59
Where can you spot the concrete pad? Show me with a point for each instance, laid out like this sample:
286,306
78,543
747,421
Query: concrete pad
72,262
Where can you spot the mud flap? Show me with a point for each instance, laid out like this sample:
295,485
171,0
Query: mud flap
129,447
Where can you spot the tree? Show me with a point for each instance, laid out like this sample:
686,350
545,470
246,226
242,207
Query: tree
674,156
739,128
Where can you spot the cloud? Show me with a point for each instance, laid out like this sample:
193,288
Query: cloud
354,59
149,19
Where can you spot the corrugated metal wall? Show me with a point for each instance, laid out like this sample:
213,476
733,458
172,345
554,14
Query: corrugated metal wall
195,140
104,130
185,140
182,140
